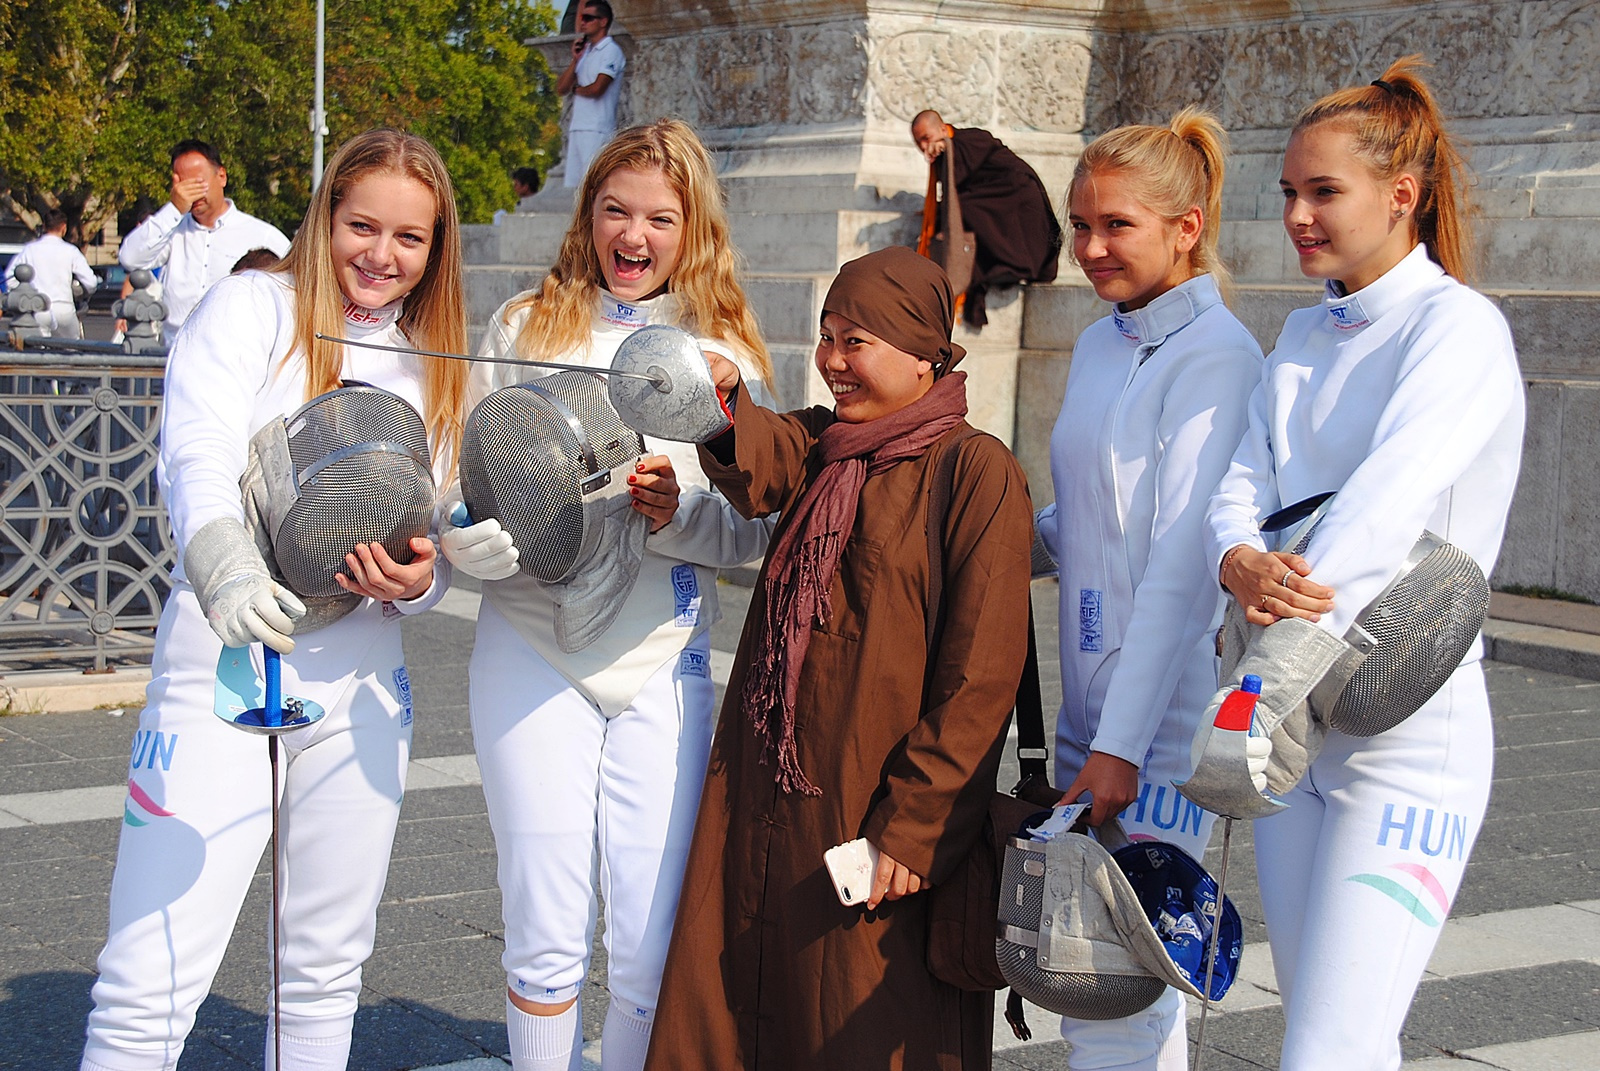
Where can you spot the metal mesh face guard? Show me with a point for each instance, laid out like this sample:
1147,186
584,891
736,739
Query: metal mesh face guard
1407,641
1410,639
1079,918
350,466
1119,989
536,457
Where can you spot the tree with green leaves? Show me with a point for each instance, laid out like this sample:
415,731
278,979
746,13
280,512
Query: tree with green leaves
93,93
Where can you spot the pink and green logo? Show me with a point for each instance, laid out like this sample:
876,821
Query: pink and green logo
137,795
1414,888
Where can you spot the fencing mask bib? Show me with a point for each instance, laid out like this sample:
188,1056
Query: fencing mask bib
549,460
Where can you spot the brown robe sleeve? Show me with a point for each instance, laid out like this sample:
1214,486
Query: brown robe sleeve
769,454
940,781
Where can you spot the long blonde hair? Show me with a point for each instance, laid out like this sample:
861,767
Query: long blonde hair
434,314
1172,168
705,279
1398,129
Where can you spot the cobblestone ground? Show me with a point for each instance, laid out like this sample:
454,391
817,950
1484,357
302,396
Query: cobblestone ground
1516,984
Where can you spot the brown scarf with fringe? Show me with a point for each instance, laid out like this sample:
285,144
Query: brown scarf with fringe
797,578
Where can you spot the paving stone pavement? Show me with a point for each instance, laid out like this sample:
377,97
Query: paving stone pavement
1515,984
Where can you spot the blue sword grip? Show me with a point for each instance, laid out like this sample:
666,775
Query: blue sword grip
272,674
460,517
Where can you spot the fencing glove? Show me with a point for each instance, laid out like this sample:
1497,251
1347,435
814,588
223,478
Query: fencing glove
483,550
241,601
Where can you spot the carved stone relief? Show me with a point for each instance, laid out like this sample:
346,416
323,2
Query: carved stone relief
953,73
1491,61
1045,78
773,76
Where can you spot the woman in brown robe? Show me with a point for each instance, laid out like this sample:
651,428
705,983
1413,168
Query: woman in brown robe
839,723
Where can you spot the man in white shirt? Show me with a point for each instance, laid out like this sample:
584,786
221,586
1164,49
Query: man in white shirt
56,262
594,79
198,235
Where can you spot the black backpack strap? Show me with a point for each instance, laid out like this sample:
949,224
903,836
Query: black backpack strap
1032,754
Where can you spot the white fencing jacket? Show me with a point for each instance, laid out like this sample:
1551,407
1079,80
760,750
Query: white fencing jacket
1154,408
226,378
1405,398
674,599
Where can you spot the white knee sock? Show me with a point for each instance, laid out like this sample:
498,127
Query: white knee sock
1174,1055
545,1042
310,1054
626,1038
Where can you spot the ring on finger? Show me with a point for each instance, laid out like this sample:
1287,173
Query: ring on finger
1285,581
1264,601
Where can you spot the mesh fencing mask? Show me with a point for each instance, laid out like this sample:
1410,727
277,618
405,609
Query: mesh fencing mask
548,460
1407,641
1093,933
350,466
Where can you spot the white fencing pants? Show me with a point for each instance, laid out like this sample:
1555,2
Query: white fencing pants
1358,874
1154,1039
196,822
570,790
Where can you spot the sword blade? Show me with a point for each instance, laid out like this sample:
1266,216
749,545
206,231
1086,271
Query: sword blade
656,381
1211,953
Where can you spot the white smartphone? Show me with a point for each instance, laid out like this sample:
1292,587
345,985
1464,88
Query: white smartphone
852,867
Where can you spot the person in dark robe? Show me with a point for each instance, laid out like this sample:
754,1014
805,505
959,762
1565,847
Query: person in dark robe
1004,205
840,722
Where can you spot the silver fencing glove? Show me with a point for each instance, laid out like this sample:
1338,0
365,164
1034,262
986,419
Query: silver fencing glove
483,550
241,601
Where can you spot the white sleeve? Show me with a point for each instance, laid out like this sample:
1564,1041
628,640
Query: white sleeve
218,364
1247,491
82,271
442,574
706,529
1454,390
1045,523
149,245
1202,419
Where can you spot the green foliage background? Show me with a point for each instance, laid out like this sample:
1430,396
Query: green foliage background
93,94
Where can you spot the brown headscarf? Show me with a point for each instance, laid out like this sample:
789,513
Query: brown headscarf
905,300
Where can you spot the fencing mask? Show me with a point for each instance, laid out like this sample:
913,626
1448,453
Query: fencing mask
1096,927
350,466
543,459
1406,642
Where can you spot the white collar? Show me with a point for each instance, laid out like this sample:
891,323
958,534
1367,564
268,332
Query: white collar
219,221
361,321
631,315
1352,312
1169,313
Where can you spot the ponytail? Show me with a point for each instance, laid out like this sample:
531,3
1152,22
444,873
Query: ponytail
1172,169
1398,129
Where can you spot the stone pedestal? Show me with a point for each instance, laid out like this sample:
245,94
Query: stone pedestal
806,105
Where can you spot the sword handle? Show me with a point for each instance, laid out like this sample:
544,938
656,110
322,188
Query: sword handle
272,675
460,517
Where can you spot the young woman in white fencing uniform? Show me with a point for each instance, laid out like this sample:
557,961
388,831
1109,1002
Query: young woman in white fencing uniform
377,258
595,757
1400,392
1154,407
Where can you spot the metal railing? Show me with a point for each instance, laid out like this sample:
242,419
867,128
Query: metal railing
85,548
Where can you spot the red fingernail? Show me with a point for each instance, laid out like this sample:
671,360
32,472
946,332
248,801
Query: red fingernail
633,479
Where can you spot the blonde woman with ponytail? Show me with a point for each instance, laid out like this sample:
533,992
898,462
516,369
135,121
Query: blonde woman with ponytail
378,258
1155,404
1400,392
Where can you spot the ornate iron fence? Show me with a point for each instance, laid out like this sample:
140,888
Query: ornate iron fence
85,548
